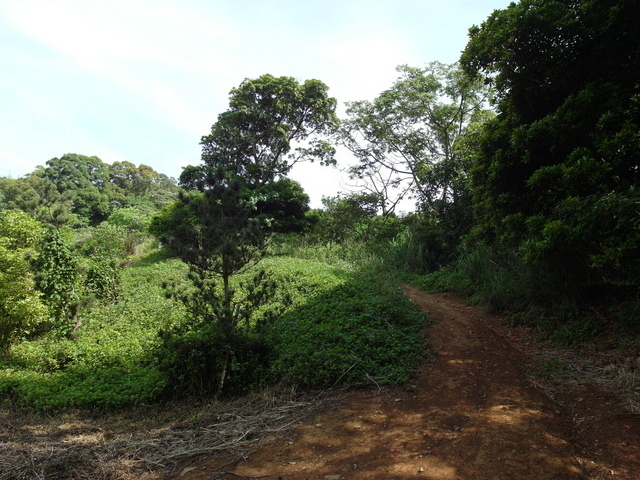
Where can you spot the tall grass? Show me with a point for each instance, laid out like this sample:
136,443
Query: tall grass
504,282
406,253
349,254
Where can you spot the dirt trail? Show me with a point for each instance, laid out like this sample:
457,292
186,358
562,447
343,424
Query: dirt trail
472,415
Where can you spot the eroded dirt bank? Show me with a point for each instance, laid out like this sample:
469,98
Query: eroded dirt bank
473,414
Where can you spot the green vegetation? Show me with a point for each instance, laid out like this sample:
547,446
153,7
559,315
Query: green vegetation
117,358
109,362
367,331
21,307
523,162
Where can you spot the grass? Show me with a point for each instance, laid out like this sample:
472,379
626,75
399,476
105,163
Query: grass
109,364
343,325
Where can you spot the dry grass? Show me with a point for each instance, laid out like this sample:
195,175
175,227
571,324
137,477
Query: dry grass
553,366
621,378
147,444
625,378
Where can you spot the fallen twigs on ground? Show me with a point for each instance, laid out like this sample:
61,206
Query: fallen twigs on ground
109,448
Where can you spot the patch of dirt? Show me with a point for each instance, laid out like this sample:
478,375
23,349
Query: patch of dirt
473,414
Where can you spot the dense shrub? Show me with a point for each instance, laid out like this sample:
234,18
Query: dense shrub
21,307
359,331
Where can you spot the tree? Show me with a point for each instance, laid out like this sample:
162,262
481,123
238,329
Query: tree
408,138
266,117
558,168
53,208
18,193
224,233
381,182
40,198
346,217
285,204
86,179
104,249
21,308
140,182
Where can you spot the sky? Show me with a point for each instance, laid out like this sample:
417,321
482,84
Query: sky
143,80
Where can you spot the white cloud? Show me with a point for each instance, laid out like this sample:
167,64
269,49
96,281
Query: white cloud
143,80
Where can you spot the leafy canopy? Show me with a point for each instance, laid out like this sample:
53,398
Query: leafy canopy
407,139
558,167
266,118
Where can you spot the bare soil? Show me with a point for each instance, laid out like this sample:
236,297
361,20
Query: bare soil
474,413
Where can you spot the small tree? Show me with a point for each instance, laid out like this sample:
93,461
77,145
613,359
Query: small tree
58,278
104,250
222,233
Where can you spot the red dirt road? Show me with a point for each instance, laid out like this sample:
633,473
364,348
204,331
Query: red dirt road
472,414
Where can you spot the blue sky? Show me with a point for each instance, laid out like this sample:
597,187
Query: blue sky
143,80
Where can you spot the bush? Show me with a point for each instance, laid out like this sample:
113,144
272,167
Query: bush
21,307
192,363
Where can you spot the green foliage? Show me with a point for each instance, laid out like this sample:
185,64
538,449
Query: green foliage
105,389
135,221
345,218
21,308
285,205
558,167
192,362
18,193
361,330
267,116
86,177
626,315
109,362
76,190
222,343
537,294
104,241
50,206
192,359
104,279
422,246
141,182
175,223
118,359
58,278
577,331
409,138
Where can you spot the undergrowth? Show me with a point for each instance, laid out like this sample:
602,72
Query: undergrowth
342,325
362,330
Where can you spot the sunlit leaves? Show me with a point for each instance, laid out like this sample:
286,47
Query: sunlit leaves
267,117
21,308
406,140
